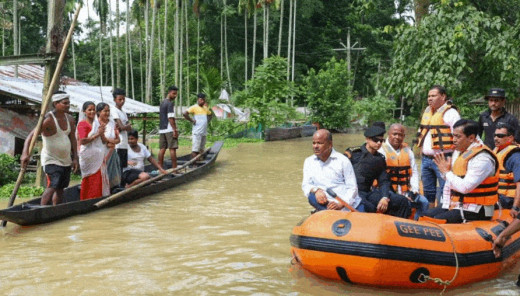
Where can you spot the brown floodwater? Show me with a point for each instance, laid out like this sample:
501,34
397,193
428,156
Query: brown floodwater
225,234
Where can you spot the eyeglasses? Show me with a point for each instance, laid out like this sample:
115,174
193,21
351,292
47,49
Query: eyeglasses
378,140
501,135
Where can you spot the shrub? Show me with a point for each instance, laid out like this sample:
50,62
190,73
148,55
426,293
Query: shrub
23,191
8,169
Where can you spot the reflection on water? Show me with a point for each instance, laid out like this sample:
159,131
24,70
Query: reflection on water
227,233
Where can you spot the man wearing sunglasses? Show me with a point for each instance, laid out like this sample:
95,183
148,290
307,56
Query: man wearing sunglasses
508,155
495,114
369,166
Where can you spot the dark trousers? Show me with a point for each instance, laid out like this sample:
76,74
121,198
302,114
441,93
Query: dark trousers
506,202
454,216
319,207
398,205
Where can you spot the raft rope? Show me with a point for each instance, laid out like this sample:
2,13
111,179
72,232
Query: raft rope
424,278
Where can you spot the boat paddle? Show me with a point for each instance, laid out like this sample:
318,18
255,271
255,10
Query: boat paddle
44,107
121,194
341,201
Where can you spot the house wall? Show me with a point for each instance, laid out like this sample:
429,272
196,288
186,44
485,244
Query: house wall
14,125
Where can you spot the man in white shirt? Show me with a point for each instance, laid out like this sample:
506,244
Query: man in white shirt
471,188
329,169
123,125
435,135
134,173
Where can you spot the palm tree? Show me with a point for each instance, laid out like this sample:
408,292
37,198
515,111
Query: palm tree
150,55
118,68
225,12
281,4
246,5
196,10
3,24
187,52
128,53
111,23
101,8
266,14
293,47
15,33
165,42
254,43
289,39
176,45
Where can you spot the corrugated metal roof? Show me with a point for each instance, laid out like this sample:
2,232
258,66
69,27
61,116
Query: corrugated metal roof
29,85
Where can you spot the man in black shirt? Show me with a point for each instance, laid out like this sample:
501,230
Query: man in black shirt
370,165
496,113
168,132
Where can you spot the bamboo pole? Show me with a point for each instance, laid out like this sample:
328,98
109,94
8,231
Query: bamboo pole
121,194
44,107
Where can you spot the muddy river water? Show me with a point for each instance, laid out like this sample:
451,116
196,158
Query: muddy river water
224,234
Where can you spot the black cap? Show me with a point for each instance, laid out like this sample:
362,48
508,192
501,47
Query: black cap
380,124
374,131
496,92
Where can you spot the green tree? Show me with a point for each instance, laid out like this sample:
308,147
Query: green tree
459,47
329,94
267,94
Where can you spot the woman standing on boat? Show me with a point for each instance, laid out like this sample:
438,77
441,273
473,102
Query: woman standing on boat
90,135
111,138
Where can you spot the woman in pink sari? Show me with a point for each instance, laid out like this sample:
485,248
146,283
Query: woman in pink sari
91,152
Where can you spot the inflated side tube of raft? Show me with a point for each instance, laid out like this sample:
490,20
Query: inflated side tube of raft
385,251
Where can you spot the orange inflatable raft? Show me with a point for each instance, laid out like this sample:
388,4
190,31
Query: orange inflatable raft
385,251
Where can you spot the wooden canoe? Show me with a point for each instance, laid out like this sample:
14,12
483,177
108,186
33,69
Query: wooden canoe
31,212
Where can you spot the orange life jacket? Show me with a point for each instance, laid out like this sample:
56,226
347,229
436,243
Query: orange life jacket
506,183
442,138
398,167
486,193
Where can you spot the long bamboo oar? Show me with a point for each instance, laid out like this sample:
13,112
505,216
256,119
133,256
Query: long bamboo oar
121,194
45,105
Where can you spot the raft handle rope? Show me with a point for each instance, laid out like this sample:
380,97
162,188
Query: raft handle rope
424,278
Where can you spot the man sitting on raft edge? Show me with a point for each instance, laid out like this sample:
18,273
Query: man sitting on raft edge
329,169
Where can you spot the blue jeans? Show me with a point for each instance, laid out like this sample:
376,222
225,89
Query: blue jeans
320,207
430,174
421,204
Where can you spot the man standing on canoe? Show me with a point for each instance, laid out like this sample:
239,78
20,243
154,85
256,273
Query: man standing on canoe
508,155
435,136
123,125
369,166
471,189
201,117
402,169
326,169
168,132
59,151
496,113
